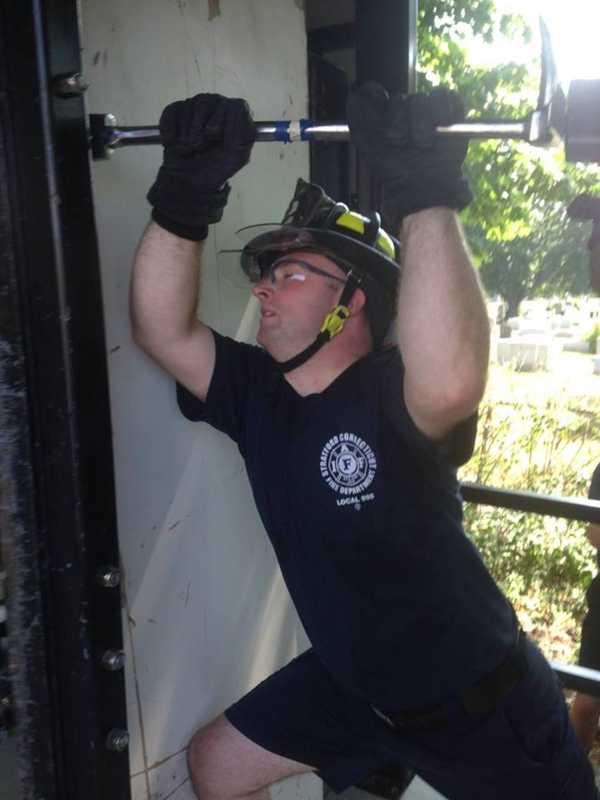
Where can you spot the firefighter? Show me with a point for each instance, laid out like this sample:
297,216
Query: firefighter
352,434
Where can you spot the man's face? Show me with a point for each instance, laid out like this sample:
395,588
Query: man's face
294,301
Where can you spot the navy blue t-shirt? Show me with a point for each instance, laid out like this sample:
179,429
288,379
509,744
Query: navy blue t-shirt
365,517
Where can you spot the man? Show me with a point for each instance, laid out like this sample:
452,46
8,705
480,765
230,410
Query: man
585,711
351,449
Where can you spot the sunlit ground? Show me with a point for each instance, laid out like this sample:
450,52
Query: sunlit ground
571,376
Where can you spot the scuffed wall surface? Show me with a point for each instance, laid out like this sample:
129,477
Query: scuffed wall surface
207,615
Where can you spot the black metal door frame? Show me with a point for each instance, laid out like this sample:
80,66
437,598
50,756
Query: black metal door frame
57,503
383,36
386,42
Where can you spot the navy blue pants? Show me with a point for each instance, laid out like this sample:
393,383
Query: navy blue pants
525,748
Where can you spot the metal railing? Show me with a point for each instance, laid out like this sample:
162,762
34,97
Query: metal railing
571,676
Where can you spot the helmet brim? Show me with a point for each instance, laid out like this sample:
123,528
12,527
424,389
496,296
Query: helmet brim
272,240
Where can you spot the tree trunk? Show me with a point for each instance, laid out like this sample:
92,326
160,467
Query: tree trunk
513,306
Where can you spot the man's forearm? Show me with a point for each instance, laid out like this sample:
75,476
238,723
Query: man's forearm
164,288
443,328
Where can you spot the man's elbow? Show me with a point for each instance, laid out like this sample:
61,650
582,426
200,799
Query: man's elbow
139,334
147,341
437,413
150,332
462,396
454,403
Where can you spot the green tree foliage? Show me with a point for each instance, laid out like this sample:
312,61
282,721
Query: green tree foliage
517,225
550,260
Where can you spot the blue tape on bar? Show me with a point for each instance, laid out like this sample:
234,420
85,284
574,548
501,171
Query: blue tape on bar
304,124
282,131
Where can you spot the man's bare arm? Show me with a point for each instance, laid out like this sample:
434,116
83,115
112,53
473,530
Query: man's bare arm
443,328
442,324
593,534
206,139
164,299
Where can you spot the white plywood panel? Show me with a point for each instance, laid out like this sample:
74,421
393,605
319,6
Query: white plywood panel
208,635
139,787
207,615
170,780
417,790
136,755
297,788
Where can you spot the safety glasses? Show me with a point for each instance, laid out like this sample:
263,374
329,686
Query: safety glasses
289,268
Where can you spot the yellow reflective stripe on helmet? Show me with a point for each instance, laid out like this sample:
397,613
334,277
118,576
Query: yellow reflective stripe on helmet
353,221
356,222
384,242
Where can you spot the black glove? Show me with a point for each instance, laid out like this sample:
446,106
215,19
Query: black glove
396,135
206,139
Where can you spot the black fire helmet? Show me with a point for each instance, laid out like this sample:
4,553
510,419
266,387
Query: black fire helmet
357,244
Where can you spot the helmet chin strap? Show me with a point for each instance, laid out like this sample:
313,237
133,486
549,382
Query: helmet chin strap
332,325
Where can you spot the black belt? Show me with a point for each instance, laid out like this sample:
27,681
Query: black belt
481,698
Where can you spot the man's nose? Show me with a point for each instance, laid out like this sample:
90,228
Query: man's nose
262,289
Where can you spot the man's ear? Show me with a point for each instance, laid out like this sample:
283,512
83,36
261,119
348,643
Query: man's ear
357,303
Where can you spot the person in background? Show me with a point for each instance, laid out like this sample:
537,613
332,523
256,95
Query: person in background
585,710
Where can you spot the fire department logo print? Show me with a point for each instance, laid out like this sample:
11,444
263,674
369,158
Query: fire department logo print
348,464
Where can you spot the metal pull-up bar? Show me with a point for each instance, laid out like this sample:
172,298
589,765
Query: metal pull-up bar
106,135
